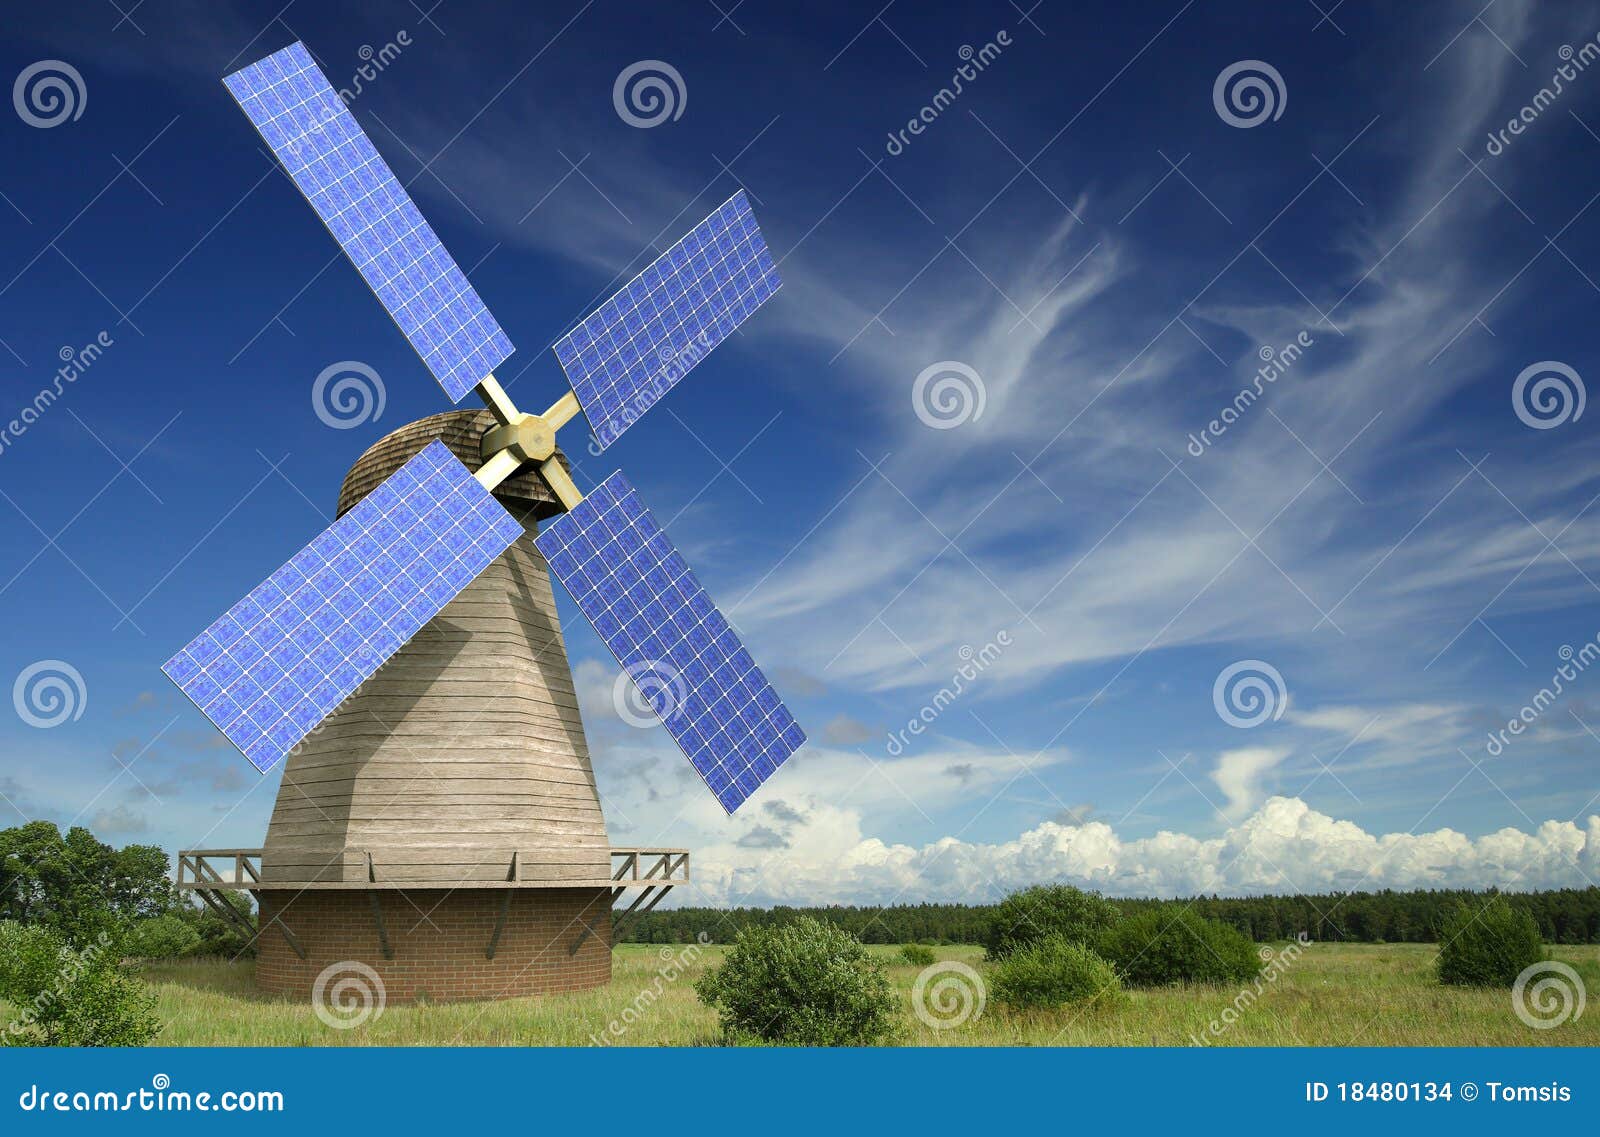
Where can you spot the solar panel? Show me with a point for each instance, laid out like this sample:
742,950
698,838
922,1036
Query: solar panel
639,344
647,606
283,658
371,216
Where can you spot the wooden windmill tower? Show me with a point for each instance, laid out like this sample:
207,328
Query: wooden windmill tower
443,825
438,820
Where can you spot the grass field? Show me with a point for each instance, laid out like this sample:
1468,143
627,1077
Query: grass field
1332,995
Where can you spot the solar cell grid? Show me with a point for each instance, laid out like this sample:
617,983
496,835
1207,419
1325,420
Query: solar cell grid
282,659
638,345
305,122
648,608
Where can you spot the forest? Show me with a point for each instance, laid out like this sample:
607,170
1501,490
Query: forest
1564,916
76,885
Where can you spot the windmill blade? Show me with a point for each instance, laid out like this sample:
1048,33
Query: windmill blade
639,344
369,213
283,658
647,606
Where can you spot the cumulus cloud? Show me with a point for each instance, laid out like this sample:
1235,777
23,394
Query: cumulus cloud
1239,774
1284,846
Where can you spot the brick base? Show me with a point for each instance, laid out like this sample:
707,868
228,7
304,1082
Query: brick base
440,957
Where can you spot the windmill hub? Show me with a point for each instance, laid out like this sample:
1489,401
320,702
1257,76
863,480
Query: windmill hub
528,438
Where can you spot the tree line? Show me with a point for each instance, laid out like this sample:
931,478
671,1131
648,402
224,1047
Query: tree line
1564,916
77,887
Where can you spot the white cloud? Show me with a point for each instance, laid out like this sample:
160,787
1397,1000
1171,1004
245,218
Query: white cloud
1285,846
1239,774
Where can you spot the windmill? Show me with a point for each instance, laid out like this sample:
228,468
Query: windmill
425,544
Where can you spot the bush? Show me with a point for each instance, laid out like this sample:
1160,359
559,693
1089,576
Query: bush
807,983
1488,946
1172,945
1053,972
1043,911
160,937
223,937
67,997
918,956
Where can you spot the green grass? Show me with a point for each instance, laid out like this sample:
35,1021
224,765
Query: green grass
1333,995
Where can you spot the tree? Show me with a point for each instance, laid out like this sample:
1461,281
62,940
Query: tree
1046,910
805,983
67,996
1488,946
77,885
1170,944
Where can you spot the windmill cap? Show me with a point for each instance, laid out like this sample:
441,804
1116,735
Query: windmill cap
525,493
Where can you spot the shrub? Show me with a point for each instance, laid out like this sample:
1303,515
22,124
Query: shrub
807,983
1053,972
1170,944
1488,946
160,937
219,936
68,997
1043,911
918,956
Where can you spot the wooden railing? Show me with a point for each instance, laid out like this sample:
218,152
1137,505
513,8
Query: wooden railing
213,870
196,870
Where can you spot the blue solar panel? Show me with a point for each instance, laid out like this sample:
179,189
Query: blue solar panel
371,216
283,658
651,612
639,344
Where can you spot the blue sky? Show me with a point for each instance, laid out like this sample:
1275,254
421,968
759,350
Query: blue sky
1079,250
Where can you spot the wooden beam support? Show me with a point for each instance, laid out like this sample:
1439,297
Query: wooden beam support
505,910
377,917
560,482
499,925
622,921
497,469
495,398
288,936
561,411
